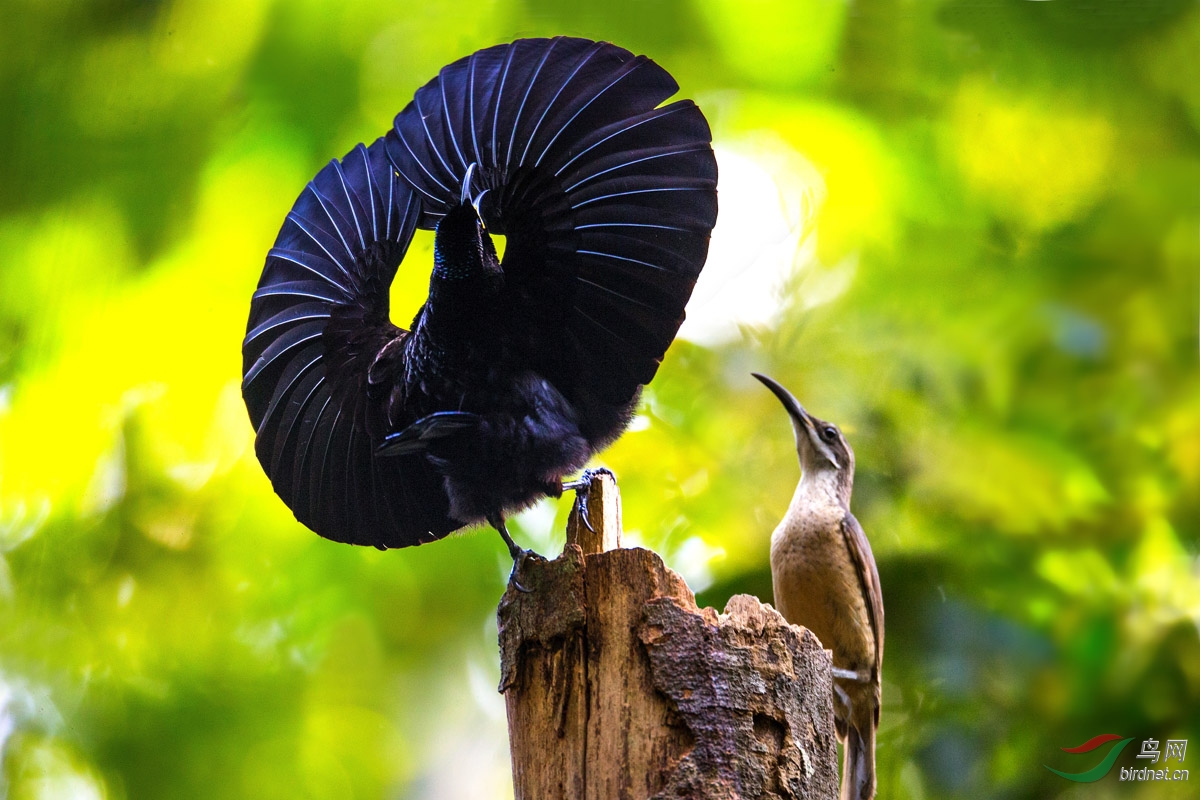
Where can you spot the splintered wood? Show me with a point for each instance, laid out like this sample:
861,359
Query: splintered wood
619,686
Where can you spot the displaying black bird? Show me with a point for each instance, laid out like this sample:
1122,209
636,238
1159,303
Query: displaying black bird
515,371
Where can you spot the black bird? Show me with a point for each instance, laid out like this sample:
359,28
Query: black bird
515,371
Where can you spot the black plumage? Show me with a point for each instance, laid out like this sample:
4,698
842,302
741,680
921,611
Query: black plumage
515,371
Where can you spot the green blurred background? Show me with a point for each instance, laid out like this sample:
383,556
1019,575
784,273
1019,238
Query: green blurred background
968,231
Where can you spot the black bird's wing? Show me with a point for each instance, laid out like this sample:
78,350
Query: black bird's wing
318,323
606,199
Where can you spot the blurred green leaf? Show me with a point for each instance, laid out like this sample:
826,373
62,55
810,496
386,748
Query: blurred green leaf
965,231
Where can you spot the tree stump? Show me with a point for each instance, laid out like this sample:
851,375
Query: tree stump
618,686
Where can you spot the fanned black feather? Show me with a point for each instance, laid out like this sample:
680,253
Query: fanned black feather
602,193
514,373
318,321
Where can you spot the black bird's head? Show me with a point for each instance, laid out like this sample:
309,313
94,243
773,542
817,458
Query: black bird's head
823,450
462,248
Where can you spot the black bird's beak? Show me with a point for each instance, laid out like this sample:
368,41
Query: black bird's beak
465,195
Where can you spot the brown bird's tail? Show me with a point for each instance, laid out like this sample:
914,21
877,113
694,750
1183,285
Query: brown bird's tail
858,764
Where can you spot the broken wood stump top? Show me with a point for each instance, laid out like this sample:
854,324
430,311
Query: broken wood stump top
619,686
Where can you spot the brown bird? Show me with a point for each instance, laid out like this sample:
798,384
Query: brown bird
825,579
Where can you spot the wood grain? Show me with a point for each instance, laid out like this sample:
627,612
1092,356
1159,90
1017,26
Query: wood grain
618,686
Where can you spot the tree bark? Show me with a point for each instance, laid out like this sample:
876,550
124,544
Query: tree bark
618,686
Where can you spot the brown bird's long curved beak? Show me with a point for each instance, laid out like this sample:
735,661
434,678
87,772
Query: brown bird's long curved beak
801,421
804,425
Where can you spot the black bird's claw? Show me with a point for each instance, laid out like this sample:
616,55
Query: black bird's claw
519,554
519,560
581,501
585,479
581,488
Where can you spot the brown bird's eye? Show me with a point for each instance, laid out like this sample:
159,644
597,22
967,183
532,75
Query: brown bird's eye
829,434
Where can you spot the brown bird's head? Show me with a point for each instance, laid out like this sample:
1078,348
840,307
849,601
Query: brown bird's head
823,450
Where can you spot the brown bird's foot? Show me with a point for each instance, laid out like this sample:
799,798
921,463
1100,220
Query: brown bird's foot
519,554
861,676
841,693
584,482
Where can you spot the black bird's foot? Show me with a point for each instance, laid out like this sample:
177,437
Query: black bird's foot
519,554
585,480
581,486
518,562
